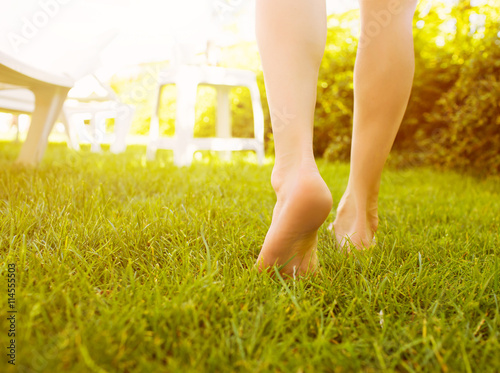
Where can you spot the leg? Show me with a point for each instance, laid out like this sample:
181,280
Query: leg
123,122
48,105
291,35
258,121
154,127
70,132
187,86
223,118
95,146
15,123
383,77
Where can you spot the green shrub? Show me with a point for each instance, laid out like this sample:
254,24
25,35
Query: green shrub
452,118
468,116
334,108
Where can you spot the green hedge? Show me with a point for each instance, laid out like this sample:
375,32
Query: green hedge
452,119
467,117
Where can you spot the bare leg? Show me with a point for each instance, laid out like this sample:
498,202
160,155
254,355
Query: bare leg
383,77
291,35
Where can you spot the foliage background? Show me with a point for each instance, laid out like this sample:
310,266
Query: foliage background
453,117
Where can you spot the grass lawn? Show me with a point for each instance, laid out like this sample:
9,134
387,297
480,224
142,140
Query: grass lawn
129,266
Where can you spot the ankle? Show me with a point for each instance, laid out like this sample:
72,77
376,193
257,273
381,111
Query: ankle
359,210
287,170
362,200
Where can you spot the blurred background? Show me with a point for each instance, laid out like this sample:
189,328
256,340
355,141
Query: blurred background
453,119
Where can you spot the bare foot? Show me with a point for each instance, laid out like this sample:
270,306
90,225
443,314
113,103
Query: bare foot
354,227
303,204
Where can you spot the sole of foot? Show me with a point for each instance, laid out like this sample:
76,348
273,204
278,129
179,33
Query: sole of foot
303,204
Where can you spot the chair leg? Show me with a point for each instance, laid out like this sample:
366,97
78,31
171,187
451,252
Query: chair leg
123,122
185,120
184,157
70,132
48,105
154,127
258,120
223,127
95,146
261,155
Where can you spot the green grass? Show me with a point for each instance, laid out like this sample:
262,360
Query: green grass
129,266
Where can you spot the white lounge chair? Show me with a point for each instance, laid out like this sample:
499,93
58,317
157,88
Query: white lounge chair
77,110
184,144
86,104
49,91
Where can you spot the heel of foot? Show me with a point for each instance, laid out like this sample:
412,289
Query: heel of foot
304,203
316,197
